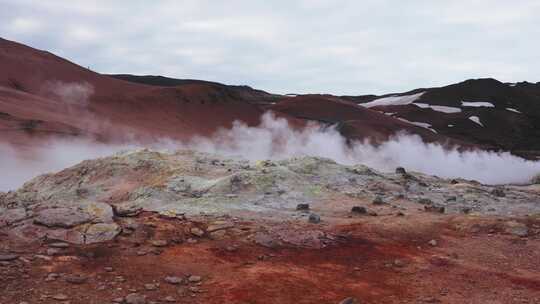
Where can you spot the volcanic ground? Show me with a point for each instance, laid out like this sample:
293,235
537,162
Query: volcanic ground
187,227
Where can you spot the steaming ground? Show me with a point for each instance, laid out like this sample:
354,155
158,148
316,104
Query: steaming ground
274,139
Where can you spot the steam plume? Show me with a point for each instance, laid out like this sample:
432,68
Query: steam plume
274,139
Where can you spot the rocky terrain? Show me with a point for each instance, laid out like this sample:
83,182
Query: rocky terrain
187,227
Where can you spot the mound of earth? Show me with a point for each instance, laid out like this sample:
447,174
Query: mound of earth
187,227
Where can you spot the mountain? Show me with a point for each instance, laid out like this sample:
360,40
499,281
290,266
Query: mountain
485,112
44,96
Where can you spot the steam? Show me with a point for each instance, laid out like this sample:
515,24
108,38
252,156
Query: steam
72,93
274,139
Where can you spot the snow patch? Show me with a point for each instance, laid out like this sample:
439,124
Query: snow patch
513,110
476,120
443,109
418,124
477,104
393,100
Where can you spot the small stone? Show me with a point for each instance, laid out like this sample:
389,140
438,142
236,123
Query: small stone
314,218
142,252
135,298
359,210
433,208
218,235
302,207
378,200
197,231
348,301
159,243
59,245
517,229
51,277
433,243
8,257
169,299
399,263
76,279
150,287
499,192
60,297
118,300
194,279
108,269
53,251
231,248
174,280
425,201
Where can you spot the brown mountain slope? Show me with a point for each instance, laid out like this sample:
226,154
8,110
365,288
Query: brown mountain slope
39,86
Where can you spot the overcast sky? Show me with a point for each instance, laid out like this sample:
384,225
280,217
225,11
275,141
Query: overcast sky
323,46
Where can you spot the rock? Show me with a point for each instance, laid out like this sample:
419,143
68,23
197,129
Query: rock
108,269
217,226
536,179
197,231
62,217
217,235
51,277
433,243
53,251
399,263
174,280
150,287
59,245
8,257
76,279
425,201
359,210
517,229
127,209
118,300
401,170
499,192
302,207
348,301
378,200
101,232
194,279
433,208
169,299
135,298
159,243
314,218
11,216
60,297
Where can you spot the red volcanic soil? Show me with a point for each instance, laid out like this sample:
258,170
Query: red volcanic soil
371,260
33,86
